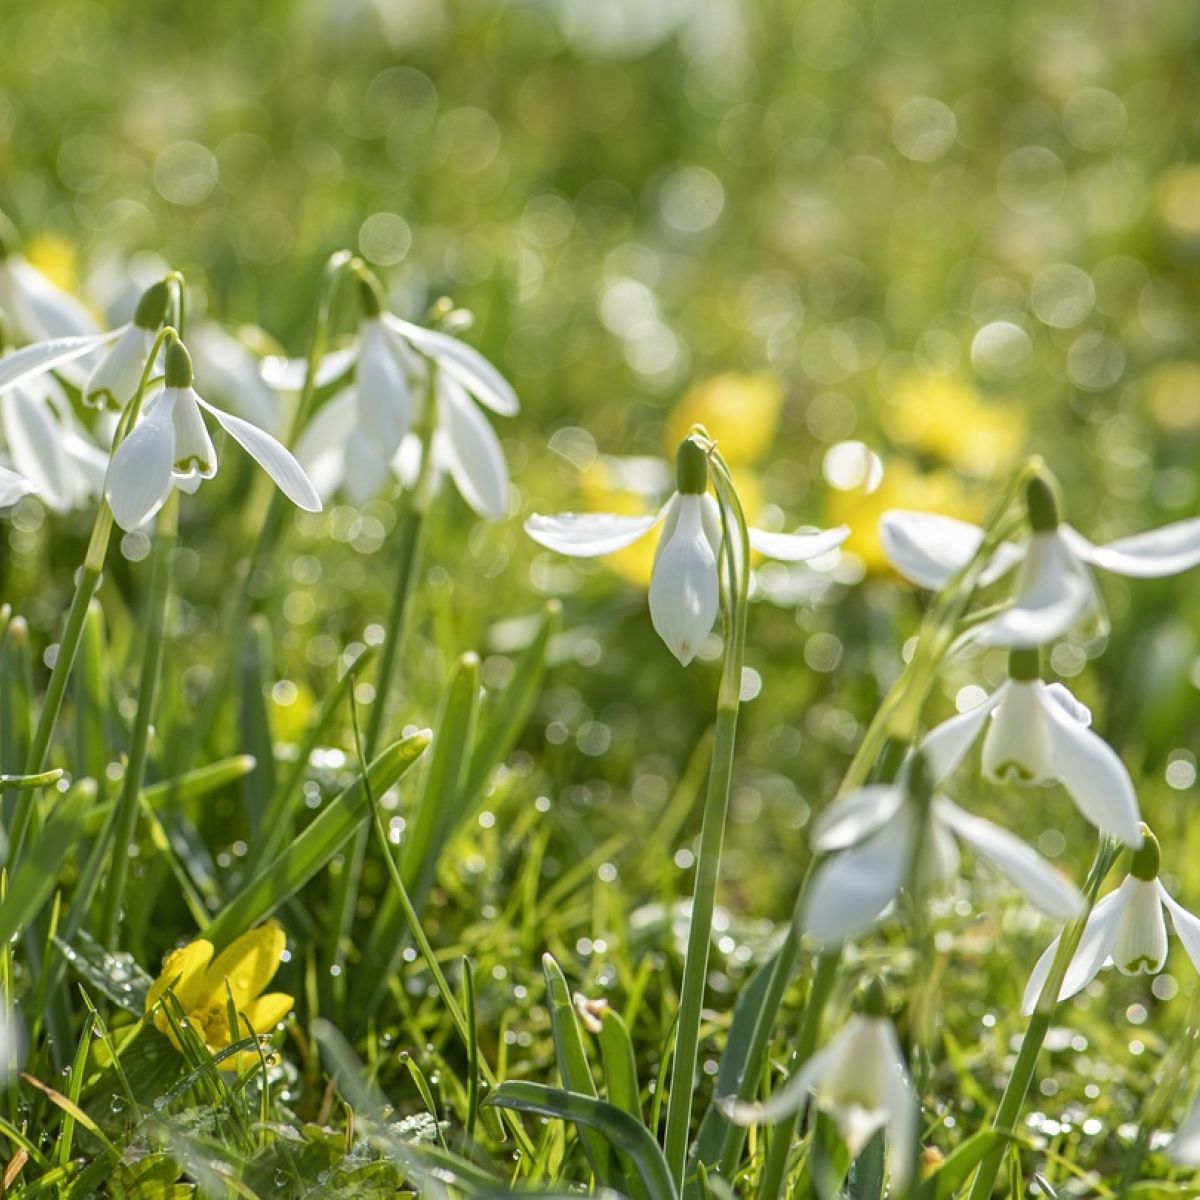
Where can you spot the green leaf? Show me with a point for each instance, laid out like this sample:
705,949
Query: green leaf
618,1128
957,1167
620,1064
92,686
255,724
311,850
37,874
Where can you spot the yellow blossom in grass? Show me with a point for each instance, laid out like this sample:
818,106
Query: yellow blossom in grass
740,412
902,486
199,982
947,418
54,256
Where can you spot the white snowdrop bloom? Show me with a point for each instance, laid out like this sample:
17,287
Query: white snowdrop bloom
859,1079
684,584
171,446
115,378
39,308
1054,589
1185,1145
1127,930
870,835
1038,734
13,487
392,360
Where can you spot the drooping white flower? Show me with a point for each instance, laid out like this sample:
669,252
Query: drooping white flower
1054,589
1185,1145
1127,929
870,835
115,378
171,446
13,487
684,584
859,1079
393,360
1038,734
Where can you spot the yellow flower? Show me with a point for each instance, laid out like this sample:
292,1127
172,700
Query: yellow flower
1177,199
740,412
54,256
948,419
198,980
600,494
1172,395
902,486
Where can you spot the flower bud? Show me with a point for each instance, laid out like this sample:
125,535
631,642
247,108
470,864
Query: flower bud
1145,862
691,469
920,779
179,365
370,295
871,999
1041,505
152,307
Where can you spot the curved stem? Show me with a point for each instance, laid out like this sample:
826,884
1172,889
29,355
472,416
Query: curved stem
735,557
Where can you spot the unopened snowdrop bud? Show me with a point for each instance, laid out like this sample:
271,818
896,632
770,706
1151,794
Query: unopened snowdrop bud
370,295
691,468
872,999
116,376
1041,505
1025,666
179,365
1145,862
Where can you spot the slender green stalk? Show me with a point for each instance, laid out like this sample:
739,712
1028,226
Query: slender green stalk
775,1169
735,555
126,812
1017,1087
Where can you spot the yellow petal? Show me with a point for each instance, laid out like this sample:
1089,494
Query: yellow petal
183,972
249,963
266,1012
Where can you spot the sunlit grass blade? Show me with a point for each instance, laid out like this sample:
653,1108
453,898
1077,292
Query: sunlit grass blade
618,1128
275,881
37,874
199,782
20,783
16,702
91,691
955,1169
254,725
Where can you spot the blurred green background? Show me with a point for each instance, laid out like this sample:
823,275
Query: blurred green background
915,241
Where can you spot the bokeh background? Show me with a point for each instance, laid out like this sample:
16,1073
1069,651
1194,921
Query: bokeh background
884,249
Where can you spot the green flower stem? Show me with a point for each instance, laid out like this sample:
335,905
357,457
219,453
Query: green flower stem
779,1151
1019,1081
126,812
86,584
735,555
241,599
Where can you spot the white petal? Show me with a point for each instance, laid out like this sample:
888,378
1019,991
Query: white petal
1141,944
1159,552
945,746
194,451
463,363
1091,954
1018,747
13,487
855,816
790,1098
851,891
288,374
89,463
1046,887
321,448
139,475
1095,777
684,591
21,364
35,443
474,457
1062,696
1053,592
1185,1145
901,1100
44,310
797,547
366,469
928,548
384,391
277,461
588,535
116,376
1187,926
710,516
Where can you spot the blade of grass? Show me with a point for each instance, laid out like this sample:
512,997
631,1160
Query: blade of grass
254,725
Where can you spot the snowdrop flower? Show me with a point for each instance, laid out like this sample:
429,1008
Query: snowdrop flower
1054,589
873,832
684,584
860,1079
1038,734
40,309
171,446
394,362
116,376
13,487
1185,1145
1127,929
